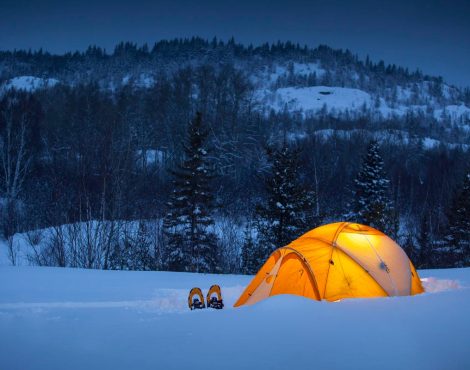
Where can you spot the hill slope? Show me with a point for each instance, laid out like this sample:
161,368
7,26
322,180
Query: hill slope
282,75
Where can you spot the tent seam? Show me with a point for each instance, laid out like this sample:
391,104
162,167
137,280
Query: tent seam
312,275
367,271
333,244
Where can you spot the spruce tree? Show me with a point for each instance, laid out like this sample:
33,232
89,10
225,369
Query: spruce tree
371,203
458,235
188,225
289,210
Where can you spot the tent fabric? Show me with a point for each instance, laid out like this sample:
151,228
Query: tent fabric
333,262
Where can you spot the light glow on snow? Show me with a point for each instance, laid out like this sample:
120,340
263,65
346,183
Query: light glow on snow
92,319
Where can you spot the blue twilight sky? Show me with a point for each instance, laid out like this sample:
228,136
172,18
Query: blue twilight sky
433,35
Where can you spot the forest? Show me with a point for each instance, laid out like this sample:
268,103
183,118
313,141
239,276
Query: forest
188,173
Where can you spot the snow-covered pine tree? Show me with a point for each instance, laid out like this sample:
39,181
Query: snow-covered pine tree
458,235
191,243
371,202
289,211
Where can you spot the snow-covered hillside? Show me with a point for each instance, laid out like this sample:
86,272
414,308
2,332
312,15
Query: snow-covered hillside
308,101
52,318
315,98
28,83
333,101
280,78
397,137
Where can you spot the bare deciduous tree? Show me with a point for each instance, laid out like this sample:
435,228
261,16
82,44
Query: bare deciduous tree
15,162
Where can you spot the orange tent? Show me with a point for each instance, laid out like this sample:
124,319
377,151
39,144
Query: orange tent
336,261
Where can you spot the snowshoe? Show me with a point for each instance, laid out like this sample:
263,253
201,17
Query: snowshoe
196,299
214,298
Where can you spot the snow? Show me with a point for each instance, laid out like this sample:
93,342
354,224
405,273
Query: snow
143,80
398,137
278,72
430,143
268,76
305,69
313,99
151,156
26,245
52,318
455,112
29,83
403,93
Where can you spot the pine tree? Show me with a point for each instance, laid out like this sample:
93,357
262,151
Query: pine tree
192,245
371,203
289,211
458,236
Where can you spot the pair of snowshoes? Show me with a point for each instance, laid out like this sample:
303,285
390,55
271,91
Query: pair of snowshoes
213,298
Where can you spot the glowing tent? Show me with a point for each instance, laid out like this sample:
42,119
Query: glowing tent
336,261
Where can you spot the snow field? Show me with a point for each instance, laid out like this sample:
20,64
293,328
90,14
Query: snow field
53,318
316,97
335,100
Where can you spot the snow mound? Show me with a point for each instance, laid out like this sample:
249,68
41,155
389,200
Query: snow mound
434,285
29,83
